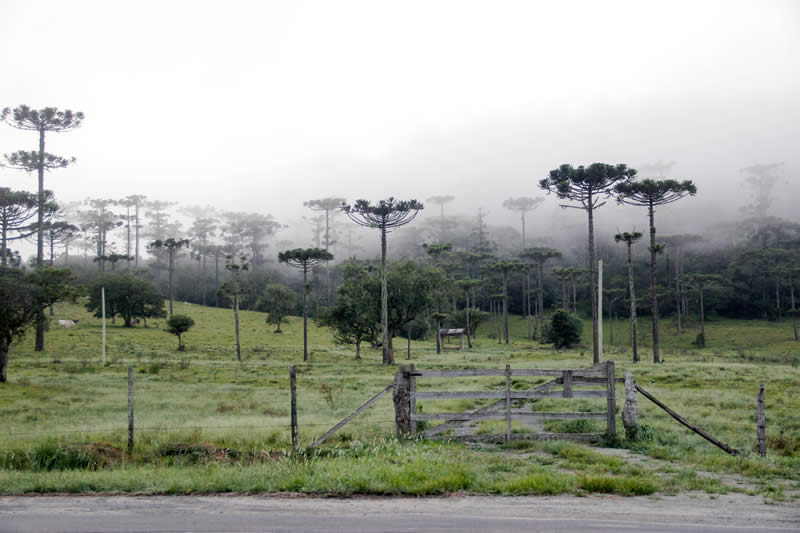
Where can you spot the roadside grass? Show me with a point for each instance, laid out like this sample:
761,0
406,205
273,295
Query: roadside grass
208,423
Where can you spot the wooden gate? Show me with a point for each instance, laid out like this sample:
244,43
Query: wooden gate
566,384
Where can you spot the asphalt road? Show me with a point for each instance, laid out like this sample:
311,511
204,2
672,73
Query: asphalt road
727,513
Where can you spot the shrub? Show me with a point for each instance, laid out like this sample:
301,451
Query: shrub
178,325
564,329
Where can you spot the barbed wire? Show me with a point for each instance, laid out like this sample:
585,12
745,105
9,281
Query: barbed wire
185,428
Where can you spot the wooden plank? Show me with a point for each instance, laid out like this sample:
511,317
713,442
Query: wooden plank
761,422
474,372
453,423
351,416
293,387
516,415
578,437
589,380
567,379
130,410
412,387
542,387
515,395
521,395
630,412
523,372
589,374
683,421
611,401
508,403
458,395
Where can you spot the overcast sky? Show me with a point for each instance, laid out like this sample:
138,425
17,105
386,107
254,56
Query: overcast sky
259,106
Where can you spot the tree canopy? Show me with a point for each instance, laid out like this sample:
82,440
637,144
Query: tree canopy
127,296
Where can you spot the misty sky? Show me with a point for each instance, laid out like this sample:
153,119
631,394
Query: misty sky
259,106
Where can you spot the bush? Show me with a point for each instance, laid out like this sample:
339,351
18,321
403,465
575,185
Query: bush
178,325
564,329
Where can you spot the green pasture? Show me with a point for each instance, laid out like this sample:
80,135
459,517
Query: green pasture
207,423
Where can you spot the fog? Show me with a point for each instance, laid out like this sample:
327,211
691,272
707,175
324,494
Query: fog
261,107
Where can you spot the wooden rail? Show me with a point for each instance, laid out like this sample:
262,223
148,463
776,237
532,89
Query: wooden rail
570,380
515,395
686,423
516,415
351,416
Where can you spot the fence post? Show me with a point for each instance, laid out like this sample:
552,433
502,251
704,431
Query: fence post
508,403
762,423
402,405
611,400
293,387
630,413
412,409
566,377
130,410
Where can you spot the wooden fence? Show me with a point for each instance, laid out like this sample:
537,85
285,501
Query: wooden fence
571,382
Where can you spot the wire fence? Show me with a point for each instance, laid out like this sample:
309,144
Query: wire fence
183,428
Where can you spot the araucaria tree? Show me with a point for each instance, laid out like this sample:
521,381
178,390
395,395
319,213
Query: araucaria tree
651,193
329,206
173,247
383,216
702,283
42,121
589,187
505,269
305,259
630,238
17,209
233,287
522,205
539,256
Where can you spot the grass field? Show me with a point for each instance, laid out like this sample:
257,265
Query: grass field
207,423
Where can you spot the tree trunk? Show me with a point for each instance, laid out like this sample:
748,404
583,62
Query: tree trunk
438,336
358,350
794,309
40,323
593,283
702,318
653,293
40,214
505,306
388,356
137,235
305,314
678,291
3,362
236,323
4,244
39,345
216,280
469,334
408,341
574,298
171,271
610,326
528,303
128,247
632,293
540,299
